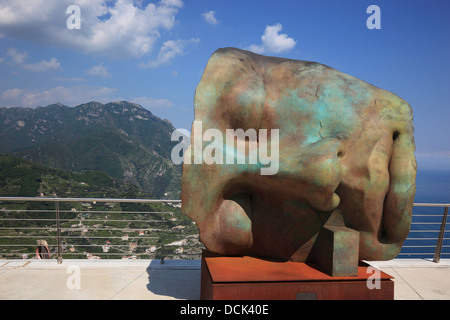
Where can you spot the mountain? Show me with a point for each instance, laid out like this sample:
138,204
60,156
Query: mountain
20,178
121,139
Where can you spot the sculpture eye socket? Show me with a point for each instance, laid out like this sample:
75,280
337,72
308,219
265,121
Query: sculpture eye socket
395,135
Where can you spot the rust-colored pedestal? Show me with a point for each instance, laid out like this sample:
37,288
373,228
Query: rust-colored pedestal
247,278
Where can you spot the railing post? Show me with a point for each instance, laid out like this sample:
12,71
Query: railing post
58,233
437,252
162,244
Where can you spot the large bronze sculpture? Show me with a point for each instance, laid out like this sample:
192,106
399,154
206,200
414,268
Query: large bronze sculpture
341,182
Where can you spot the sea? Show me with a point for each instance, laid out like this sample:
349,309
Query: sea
431,187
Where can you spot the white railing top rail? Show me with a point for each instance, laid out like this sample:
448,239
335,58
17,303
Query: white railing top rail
56,199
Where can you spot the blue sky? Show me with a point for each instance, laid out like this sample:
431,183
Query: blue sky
154,52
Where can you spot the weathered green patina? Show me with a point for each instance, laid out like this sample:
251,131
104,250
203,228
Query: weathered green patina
343,145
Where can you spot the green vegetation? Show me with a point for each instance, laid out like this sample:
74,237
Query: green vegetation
115,150
20,178
121,139
105,230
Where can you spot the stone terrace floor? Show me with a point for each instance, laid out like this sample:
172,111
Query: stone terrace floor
415,279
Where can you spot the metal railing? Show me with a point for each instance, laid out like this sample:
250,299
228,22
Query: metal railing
105,232
160,236
427,237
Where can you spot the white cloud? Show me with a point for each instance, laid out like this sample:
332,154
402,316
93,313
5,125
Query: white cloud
70,96
273,41
11,96
174,3
72,79
121,28
19,59
210,17
99,70
73,96
151,103
169,51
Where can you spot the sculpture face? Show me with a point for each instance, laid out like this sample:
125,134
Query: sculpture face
343,147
